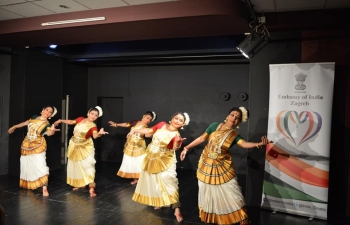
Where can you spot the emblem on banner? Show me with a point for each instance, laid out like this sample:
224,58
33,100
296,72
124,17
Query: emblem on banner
300,78
311,120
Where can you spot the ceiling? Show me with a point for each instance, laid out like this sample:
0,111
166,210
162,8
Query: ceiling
18,9
145,22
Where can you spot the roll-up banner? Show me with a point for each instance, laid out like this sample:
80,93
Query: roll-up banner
297,163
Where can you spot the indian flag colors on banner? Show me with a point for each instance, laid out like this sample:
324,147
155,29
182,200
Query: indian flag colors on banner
297,163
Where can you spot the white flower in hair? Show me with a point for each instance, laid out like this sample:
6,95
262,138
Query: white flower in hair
54,112
187,118
154,115
244,114
100,112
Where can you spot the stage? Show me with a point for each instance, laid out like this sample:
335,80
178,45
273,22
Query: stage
113,203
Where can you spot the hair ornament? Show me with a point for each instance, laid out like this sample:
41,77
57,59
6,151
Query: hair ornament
54,112
154,115
100,112
244,114
187,118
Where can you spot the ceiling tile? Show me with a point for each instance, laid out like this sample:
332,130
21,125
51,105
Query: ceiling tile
141,2
27,10
10,2
263,5
100,4
6,15
54,5
283,5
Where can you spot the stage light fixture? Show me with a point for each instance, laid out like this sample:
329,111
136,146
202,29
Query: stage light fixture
258,37
253,43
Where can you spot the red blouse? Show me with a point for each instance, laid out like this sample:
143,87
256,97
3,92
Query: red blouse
159,126
90,132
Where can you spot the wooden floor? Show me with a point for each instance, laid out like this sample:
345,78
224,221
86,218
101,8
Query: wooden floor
113,204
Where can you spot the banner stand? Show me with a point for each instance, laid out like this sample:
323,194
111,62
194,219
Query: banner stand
297,163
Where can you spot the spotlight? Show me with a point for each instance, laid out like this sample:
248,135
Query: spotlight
258,36
53,46
253,43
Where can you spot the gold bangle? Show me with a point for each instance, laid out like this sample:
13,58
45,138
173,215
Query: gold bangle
186,149
258,146
115,125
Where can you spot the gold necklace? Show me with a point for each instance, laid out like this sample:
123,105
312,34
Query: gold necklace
227,127
218,135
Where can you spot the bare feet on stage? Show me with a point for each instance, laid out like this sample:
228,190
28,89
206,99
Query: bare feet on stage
45,192
166,206
75,189
134,182
244,222
92,192
178,215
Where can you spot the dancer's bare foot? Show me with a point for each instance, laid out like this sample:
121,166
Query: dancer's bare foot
244,222
156,208
134,182
45,192
178,215
92,192
75,189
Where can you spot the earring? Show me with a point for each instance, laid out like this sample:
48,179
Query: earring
182,128
169,121
225,120
237,127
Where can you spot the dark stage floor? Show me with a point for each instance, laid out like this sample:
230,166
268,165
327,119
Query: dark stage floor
113,204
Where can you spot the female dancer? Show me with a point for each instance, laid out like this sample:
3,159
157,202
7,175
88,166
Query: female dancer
158,185
220,199
134,148
81,151
34,171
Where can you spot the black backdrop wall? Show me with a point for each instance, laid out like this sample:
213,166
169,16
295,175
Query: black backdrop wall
194,89
5,70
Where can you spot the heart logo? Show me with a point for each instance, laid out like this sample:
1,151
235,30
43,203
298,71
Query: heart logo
298,128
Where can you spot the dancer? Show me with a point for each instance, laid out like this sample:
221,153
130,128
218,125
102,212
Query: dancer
34,171
158,184
81,151
134,148
220,199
